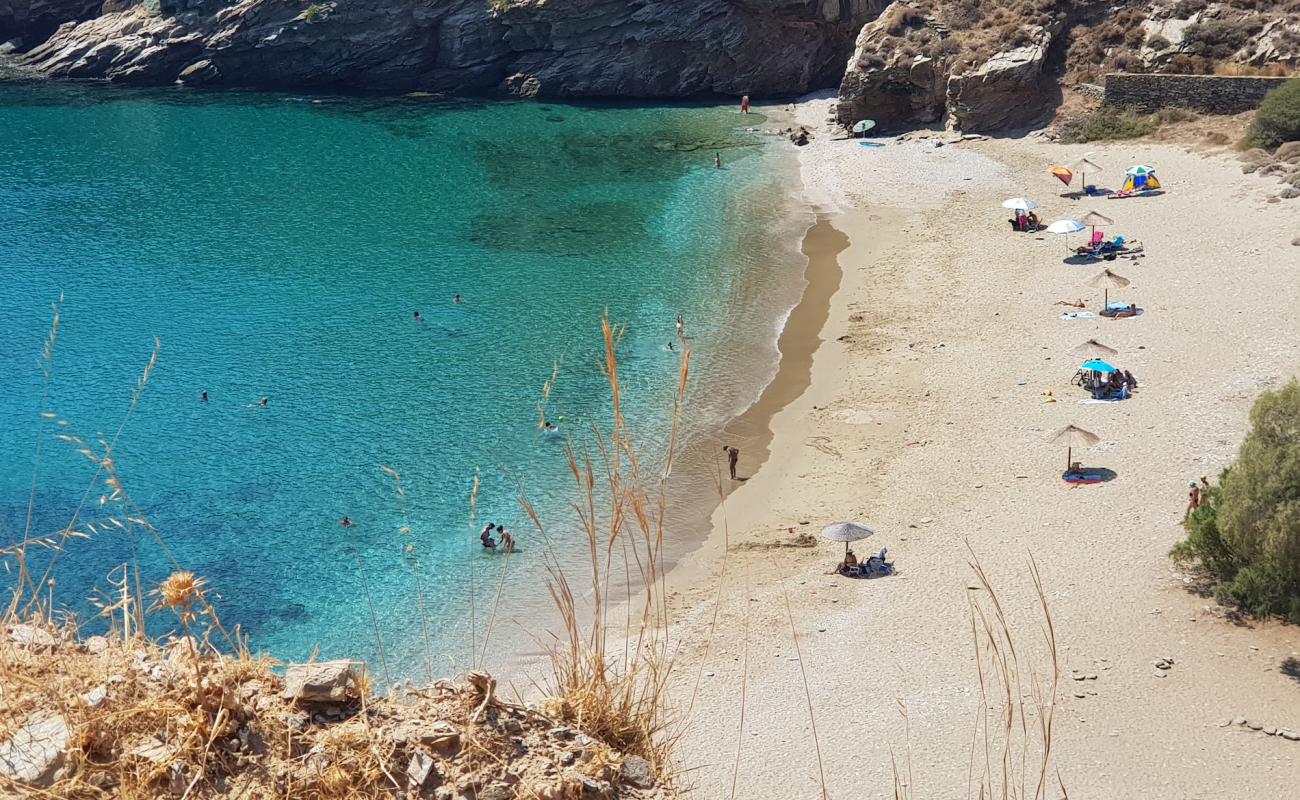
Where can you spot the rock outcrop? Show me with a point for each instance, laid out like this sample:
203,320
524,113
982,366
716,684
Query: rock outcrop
885,83
903,73
1006,91
626,48
30,21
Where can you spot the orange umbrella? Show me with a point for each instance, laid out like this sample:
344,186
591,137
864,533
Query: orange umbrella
1062,174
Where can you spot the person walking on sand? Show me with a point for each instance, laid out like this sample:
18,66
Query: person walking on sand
1193,499
744,104
733,456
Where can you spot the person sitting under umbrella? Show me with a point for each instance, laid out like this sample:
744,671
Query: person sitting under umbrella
848,565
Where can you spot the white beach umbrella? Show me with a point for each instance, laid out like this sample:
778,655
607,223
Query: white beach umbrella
1019,204
846,532
1066,227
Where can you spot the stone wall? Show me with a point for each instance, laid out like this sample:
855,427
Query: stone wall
1212,94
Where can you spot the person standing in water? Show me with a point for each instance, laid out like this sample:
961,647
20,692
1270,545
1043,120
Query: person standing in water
347,523
456,299
418,318
717,160
744,104
733,456
681,326
203,396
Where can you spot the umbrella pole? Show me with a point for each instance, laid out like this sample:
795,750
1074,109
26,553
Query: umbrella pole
1067,458
1105,303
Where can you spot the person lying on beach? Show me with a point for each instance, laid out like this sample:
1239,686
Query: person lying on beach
1072,304
1131,310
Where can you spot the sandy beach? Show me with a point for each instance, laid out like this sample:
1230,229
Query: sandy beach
921,413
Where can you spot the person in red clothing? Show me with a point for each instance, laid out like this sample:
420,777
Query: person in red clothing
744,104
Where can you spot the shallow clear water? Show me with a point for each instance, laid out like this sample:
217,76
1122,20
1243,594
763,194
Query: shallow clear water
278,247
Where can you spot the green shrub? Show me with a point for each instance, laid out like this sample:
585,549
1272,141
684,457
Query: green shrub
1247,531
1107,123
1278,117
314,12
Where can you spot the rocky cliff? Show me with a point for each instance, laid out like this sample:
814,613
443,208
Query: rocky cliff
975,65
555,48
988,65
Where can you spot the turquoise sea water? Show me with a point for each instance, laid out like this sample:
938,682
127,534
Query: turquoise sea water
278,247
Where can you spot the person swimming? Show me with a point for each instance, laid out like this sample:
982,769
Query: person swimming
672,347
456,299
550,427
417,317
203,396
347,523
263,402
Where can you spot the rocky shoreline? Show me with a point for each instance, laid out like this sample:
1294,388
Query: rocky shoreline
991,66
535,48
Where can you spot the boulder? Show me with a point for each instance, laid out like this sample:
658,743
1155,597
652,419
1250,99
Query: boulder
200,72
1008,90
420,770
636,771
31,637
37,751
1288,152
321,682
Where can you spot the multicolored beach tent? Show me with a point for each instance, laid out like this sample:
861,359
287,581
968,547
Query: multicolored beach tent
1140,178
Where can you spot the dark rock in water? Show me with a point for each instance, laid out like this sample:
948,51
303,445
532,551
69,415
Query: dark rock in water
554,118
578,48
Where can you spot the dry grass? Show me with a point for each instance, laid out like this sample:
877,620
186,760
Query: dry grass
1011,745
607,678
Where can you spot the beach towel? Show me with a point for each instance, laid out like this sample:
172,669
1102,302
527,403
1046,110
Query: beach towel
1079,315
1081,478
